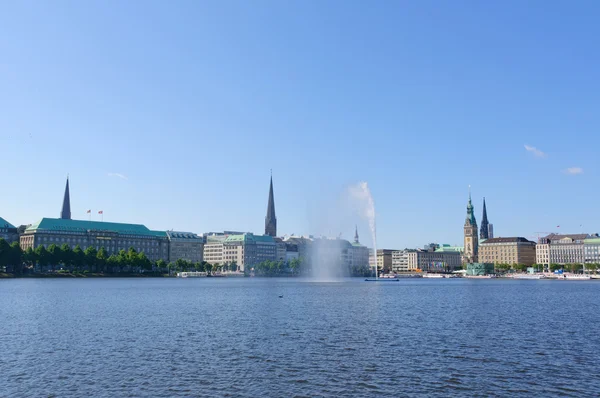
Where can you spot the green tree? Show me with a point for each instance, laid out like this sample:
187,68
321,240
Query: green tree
101,258
16,258
143,262
555,267
123,260
30,257
4,254
208,268
113,262
172,267
161,265
233,266
78,258
90,254
42,257
576,268
66,256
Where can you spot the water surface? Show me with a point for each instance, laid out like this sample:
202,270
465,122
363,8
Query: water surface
236,337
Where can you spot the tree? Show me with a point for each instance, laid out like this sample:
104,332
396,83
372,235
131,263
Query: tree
90,254
78,258
113,262
30,257
101,259
16,258
233,266
4,253
42,256
208,268
143,262
161,265
53,256
66,255
171,266
555,267
123,261
576,268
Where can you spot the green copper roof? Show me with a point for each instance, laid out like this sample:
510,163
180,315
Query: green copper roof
592,241
448,248
57,224
5,224
250,238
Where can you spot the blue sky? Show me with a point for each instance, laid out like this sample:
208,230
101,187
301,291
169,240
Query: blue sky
193,102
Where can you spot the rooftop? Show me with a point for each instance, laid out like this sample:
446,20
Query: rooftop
516,239
182,235
5,224
554,237
247,238
58,224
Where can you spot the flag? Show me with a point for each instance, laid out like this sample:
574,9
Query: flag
89,211
558,226
101,212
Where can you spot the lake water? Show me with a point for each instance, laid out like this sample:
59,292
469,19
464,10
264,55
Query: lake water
236,337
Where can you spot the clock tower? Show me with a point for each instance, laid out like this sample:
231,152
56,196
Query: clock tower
471,241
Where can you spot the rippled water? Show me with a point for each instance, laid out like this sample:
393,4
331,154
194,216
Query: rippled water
236,337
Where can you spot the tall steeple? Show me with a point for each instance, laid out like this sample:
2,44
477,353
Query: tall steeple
356,234
471,242
484,231
270,219
65,213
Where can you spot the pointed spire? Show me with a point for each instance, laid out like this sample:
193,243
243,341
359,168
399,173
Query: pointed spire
356,234
65,214
470,211
484,231
270,219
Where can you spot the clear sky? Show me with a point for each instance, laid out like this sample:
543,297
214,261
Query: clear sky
171,114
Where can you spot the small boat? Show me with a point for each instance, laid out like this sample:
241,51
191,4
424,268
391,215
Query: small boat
382,280
281,296
529,276
433,276
576,277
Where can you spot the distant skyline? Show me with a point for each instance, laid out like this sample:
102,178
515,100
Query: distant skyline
172,115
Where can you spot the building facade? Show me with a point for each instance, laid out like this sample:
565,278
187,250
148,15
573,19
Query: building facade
400,261
113,237
8,232
213,248
431,261
515,250
185,245
384,260
470,234
248,250
563,249
591,247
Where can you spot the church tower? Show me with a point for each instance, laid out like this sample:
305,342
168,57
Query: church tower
356,235
270,219
65,213
485,229
471,241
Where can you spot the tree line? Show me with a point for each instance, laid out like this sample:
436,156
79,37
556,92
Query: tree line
64,259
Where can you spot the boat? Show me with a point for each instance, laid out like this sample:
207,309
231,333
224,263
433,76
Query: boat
576,277
529,276
382,280
480,276
433,276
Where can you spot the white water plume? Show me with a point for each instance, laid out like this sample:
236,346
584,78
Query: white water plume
365,206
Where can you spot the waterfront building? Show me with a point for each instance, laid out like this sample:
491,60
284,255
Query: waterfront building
563,248
485,225
248,250
185,245
470,234
213,248
358,254
480,269
513,250
400,261
8,232
270,219
281,249
291,252
592,250
384,260
434,259
112,236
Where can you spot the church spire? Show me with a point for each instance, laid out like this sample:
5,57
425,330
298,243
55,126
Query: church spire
356,234
65,214
484,231
270,219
